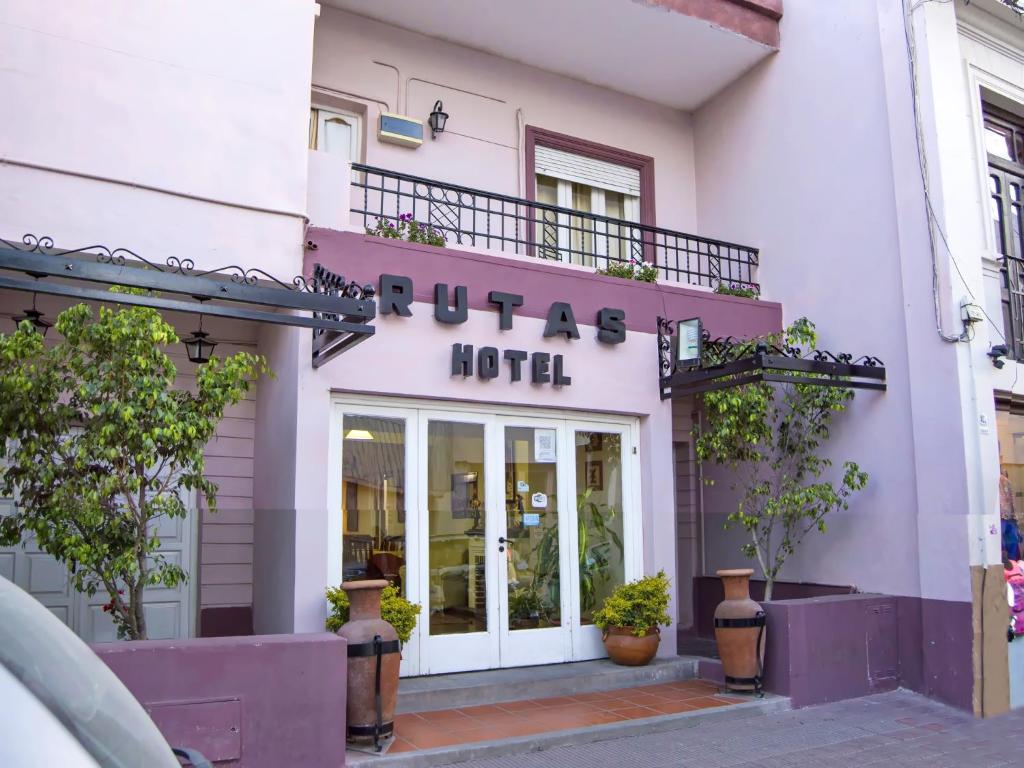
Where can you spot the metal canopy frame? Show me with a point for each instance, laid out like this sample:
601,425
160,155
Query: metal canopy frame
338,312
738,361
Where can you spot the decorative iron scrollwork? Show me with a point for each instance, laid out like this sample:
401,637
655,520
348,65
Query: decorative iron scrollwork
665,333
174,265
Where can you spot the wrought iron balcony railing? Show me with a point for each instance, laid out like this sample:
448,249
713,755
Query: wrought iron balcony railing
471,217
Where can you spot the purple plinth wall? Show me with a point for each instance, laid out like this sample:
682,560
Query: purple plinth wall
834,647
262,701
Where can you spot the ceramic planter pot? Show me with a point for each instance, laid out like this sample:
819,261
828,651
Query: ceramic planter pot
740,632
370,710
627,649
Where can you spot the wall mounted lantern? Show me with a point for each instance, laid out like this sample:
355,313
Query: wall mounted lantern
199,346
437,119
35,317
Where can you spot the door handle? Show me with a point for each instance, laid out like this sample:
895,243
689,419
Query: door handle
501,543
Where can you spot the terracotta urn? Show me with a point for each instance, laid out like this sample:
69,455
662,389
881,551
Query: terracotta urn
627,649
740,632
370,713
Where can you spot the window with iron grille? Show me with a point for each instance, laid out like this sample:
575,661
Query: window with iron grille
1004,145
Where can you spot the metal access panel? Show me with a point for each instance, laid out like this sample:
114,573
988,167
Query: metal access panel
399,129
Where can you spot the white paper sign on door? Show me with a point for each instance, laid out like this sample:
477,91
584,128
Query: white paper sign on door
544,451
539,500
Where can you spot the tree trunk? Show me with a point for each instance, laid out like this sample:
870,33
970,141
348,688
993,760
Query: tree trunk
769,585
138,613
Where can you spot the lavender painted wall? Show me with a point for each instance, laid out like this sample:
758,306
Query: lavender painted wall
859,266
373,67
249,702
409,356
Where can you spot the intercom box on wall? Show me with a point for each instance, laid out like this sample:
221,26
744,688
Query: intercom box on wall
399,129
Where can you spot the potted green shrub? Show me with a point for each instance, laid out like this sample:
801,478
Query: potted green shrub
394,609
630,619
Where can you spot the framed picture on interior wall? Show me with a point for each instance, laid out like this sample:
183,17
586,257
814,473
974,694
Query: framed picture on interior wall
351,507
464,493
595,475
596,442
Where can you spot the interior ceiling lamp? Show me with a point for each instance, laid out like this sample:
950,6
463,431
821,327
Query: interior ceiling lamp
359,434
437,119
199,346
35,317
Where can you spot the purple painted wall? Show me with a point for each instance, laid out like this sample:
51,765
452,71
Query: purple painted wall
267,700
834,647
363,258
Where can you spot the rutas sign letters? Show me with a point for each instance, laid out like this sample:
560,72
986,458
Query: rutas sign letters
452,308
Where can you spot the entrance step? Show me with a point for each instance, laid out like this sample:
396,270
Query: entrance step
449,736
494,686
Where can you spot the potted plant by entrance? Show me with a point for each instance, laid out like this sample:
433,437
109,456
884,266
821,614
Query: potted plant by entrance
525,608
375,619
630,619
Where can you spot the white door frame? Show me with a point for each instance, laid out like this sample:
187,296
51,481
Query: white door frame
497,647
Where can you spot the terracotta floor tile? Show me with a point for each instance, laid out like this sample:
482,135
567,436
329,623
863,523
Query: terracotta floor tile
401,745
443,716
555,701
674,707
602,718
516,706
705,702
435,739
642,699
635,713
483,709
595,696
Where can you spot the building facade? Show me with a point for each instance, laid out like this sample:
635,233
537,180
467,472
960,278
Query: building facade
499,447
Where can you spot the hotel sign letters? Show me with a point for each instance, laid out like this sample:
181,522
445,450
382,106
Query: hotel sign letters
452,308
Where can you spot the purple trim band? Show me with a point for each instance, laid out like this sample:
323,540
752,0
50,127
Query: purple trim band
364,258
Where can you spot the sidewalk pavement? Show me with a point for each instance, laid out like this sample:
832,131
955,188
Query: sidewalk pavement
893,729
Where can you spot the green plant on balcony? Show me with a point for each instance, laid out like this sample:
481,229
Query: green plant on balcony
631,270
743,290
407,229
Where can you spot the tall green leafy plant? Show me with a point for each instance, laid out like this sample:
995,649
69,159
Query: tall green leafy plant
598,542
771,438
100,445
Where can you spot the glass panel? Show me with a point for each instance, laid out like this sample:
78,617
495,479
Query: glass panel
373,499
615,208
581,229
998,141
455,511
1011,473
996,212
547,231
531,508
336,137
599,518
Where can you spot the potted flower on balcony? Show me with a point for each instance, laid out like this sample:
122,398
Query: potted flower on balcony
630,619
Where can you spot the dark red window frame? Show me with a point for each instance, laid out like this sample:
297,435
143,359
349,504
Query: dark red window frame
643,163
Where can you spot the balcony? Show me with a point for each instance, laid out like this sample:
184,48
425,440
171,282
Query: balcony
486,221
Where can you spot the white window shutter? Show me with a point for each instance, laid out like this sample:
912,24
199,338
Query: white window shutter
587,170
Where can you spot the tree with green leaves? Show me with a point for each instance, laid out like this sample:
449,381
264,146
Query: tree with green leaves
99,445
771,438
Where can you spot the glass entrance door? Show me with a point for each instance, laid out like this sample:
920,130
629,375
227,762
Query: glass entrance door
508,531
458,500
536,609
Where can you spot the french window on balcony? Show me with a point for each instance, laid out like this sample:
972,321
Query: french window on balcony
1004,142
588,216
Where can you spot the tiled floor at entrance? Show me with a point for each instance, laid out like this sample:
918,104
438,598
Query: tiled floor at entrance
448,727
